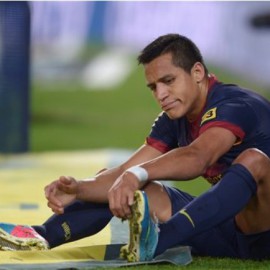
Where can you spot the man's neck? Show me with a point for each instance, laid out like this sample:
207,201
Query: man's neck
203,88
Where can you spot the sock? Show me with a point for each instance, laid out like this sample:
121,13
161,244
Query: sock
221,202
80,219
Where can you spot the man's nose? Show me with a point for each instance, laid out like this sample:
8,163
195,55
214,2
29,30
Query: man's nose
161,92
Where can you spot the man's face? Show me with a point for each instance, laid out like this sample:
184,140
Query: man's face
175,90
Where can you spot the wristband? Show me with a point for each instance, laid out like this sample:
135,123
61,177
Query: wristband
139,172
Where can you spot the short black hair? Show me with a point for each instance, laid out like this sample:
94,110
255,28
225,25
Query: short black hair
184,51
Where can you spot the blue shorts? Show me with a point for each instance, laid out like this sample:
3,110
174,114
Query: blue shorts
224,240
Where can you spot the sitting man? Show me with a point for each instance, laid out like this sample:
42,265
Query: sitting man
206,128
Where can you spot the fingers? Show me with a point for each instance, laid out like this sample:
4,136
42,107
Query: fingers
131,199
50,190
55,208
119,205
121,196
55,191
66,180
66,184
53,203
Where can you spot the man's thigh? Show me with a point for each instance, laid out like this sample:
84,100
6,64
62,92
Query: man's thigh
165,201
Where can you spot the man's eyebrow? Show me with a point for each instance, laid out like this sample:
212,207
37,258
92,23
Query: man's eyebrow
160,79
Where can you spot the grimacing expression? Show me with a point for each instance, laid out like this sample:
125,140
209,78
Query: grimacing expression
175,90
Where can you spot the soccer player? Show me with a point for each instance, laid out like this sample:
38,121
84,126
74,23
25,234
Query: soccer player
206,128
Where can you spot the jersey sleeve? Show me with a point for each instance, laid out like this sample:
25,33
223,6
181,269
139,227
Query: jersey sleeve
238,117
163,134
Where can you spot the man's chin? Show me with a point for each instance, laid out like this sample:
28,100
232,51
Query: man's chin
172,115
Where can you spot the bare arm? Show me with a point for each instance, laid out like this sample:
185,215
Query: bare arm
96,189
180,164
189,162
66,189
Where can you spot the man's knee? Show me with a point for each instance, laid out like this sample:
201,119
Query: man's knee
159,201
257,162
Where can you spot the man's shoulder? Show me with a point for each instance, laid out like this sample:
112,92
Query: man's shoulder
229,93
228,90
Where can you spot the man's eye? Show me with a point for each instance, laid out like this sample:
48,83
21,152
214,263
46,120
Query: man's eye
169,80
152,87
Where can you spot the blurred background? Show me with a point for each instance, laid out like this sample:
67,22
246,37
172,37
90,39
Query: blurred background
68,73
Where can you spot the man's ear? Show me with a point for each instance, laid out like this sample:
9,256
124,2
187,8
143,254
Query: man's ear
198,72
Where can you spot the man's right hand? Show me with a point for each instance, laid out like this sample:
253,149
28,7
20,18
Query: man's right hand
60,193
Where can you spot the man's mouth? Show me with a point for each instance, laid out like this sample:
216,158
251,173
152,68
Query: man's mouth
168,105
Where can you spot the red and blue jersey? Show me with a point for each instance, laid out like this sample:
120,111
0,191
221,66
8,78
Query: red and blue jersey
245,113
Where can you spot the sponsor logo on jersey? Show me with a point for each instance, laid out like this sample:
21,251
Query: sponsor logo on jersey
210,114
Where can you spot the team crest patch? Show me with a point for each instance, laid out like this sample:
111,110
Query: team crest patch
210,114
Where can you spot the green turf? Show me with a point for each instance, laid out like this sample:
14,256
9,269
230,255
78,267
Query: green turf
67,116
210,264
213,264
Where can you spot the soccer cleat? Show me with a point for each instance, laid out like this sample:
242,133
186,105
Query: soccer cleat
18,237
143,231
